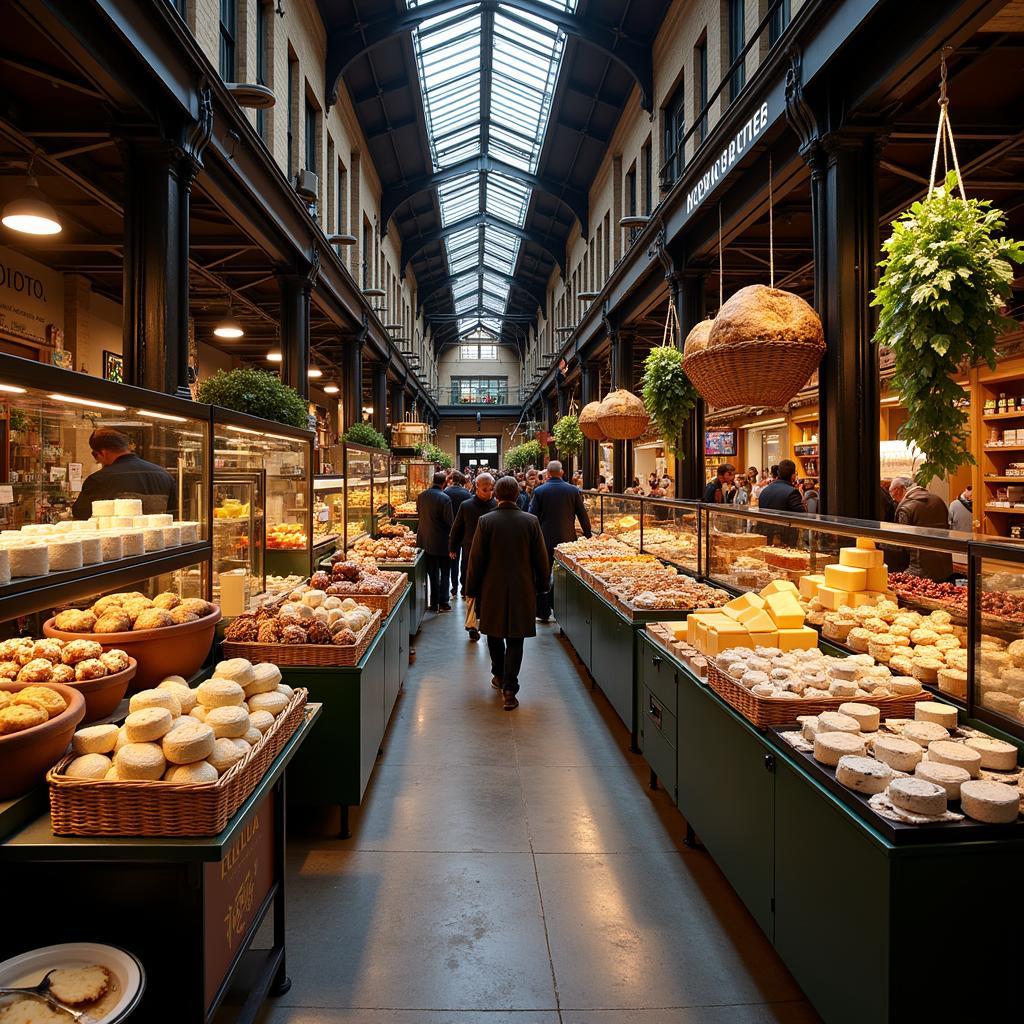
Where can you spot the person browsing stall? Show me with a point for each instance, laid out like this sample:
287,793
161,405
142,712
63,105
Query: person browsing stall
434,509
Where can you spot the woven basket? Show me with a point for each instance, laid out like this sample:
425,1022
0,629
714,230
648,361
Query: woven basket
310,655
588,422
95,807
622,416
385,603
765,712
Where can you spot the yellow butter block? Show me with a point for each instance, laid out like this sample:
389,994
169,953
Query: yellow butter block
785,610
878,578
860,558
865,543
756,620
845,577
808,585
769,638
718,642
862,597
779,587
802,639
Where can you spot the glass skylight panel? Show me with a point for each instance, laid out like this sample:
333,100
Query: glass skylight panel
459,198
507,198
467,285
501,248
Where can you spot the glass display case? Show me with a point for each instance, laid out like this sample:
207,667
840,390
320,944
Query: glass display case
270,464
358,465
418,475
96,487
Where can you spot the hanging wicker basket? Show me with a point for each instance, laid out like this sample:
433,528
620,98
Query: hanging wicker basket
588,422
761,349
623,416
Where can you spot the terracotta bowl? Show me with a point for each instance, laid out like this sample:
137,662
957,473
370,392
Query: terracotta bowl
168,651
103,695
26,756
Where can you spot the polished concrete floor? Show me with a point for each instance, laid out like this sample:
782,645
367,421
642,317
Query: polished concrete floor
515,868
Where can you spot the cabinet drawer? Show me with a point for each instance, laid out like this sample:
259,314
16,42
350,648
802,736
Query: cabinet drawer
657,735
658,675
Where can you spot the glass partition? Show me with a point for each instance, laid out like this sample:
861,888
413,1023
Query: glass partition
328,508
358,494
398,482
671,531
380,470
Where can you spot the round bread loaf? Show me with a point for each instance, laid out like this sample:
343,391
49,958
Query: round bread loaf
95,739
147,725
190,740
224,754
243,744
141,762
265,679
191,774
760,313
220,693
253,736
273,702
198,712
155,699
697,339
236,669
186,696
285,689
261,720
88,766
918,796
231,722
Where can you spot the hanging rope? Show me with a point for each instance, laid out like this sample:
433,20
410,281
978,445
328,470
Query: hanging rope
944,132
721,271
673,331
771,224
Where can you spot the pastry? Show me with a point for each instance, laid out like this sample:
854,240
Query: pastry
197,606
147,725
215,693
9,670
88,766
113,622
167,601
79,650
39,670
77,985
141,761
179,616
91,668
16,717
51,701
73,620
188,741
153,618
231,722
95,739
115,660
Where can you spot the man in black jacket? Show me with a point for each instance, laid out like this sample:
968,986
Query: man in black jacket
782,496
508,568
457,493
464,528
557,505
124,475
434,509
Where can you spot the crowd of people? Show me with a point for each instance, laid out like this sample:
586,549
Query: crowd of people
777,487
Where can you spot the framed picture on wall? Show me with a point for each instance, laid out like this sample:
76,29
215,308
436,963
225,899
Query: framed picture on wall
113,367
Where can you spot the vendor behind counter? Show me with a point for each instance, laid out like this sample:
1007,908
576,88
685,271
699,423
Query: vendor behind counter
123,474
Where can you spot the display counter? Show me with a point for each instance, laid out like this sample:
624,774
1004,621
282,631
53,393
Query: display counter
189,909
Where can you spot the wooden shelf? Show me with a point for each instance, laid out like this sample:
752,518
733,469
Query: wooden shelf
1004,479
1004,448
1006,511
1003,416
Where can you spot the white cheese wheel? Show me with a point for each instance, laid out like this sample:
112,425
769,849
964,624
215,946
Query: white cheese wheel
866,716
132,543
809,728
959,754
924,732
863,774
842,688
111,547
128,507
29,560
231,722
37,529
933,711
261,721
141,522
161,519
991,802
273,702
65,553
189,533
181,690
225,754
95,739
172,535
191,774
898,753
147,725
92,548
157,698
143,762
5,566
835,721
829,747
216,693
265,678
918,796
153,539
238,670
905,685
88,766
190,740
996,754
122,522
103,508
948,776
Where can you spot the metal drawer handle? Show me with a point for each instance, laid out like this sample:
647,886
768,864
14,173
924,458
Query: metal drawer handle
655,712
769,762
656,660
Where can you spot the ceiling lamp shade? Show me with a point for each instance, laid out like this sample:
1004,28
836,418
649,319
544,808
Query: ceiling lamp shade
275,356
331,389
30,213
588,422
229,327
315,373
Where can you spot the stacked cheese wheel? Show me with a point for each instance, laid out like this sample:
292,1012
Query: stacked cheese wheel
174,733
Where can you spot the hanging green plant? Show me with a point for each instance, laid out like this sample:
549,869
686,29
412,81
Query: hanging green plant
257,393
567,435
946,277
530,453
669,394
432,453
365,434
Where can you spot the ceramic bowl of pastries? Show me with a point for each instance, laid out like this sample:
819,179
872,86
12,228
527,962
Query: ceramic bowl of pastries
185,735
36,724
102,677
165,634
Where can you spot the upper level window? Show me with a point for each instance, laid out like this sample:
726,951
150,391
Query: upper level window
675,131
646,170
228,26
180,6
263,13
311,161
737,39
700,54
780,19
475,351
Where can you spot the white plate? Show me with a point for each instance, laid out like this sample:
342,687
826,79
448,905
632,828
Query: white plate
29,968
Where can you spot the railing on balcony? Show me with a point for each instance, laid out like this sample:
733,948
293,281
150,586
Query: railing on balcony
461,395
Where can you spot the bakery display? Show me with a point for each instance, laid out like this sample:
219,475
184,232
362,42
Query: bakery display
286,537
126,612
401,548
406,509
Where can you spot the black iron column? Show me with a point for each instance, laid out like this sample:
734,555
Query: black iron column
622,377
380,396
397,402
295,286
549,424
590,461
690,470
352,378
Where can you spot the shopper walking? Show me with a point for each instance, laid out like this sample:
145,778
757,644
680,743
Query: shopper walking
463,532
457,493
916,506
558,505
961,511
434,509
508,570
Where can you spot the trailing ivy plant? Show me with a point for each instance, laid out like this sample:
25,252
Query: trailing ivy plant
567,435
257,393
365,434
946,277
530,453
668,394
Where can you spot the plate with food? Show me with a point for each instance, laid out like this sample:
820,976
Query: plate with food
102,984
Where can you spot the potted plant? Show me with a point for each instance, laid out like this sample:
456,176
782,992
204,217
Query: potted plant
530,453
567,435
365,434
946,277
669,395
257,393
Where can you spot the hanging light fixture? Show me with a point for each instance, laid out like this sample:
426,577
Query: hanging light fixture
30,213
229,327
275,356
331,389
315,372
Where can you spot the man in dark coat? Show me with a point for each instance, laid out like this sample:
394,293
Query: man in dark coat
434,509
916,506
457,493
124,475
508,567
782,496
557,505
464,528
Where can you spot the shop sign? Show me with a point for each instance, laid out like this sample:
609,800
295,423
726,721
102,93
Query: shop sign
726,160
234,889
31,298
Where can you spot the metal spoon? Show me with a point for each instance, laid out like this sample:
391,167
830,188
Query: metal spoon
42,992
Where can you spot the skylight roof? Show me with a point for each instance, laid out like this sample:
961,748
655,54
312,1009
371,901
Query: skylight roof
487,78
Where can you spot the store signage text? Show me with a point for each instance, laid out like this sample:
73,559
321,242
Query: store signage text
737,146
21,283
